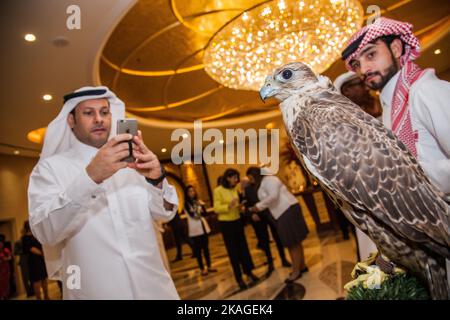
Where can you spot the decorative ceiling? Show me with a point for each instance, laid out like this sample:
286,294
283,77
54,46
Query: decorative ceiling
151,53
154,58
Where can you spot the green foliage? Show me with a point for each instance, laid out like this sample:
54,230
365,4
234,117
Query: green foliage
398,287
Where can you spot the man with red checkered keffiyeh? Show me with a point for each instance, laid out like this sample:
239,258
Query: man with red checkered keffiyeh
416,104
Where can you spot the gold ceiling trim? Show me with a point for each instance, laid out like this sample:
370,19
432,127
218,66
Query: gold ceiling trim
149,73
219,115
169,79
182,20
397,5
434,32
442,24
390,8
120,69
143,43
170,73
176,104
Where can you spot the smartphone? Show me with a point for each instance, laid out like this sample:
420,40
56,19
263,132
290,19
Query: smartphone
128,126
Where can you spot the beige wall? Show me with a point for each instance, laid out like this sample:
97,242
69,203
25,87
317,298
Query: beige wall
14,174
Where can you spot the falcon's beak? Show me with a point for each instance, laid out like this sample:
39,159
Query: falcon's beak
267,90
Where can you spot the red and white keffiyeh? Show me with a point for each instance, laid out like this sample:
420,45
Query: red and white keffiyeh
409,73
384,27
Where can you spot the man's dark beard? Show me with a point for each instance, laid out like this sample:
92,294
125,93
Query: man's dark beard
390,72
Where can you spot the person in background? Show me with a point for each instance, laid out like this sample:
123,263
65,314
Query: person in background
36,263
23,264
243,197
198,228
5,257
219,180
286,210
227,207
12,276
261,232
265,220
351,86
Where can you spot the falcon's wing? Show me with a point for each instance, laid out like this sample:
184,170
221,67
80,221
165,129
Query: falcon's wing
364,163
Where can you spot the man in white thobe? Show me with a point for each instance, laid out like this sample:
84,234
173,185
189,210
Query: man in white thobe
92,211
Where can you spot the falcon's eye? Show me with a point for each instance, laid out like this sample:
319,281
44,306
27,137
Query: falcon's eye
287,74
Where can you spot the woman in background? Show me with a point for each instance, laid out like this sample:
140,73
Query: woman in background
227,207
36,263
5,257
198,228
284,207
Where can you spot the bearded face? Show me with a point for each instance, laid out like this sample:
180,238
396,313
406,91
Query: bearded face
377,63
91,122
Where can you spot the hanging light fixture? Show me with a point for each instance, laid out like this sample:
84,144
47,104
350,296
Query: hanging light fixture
244,51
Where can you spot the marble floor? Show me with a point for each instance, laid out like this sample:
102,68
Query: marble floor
329,257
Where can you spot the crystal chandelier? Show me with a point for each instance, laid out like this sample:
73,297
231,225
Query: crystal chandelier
250,46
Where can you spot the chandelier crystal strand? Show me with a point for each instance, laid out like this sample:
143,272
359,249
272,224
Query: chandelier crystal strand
249,47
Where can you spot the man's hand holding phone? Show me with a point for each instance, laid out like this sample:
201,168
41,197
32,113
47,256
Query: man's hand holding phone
147,163
107,161
115,155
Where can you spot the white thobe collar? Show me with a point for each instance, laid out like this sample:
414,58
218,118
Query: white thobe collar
386,95
84,151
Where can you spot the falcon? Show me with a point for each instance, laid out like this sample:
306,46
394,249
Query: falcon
368,172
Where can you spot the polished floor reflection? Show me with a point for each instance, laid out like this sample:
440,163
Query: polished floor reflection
329,257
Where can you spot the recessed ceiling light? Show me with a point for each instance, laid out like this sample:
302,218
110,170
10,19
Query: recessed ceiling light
47,97
16,152
163,150
30,37
185,135
221,141
437,51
